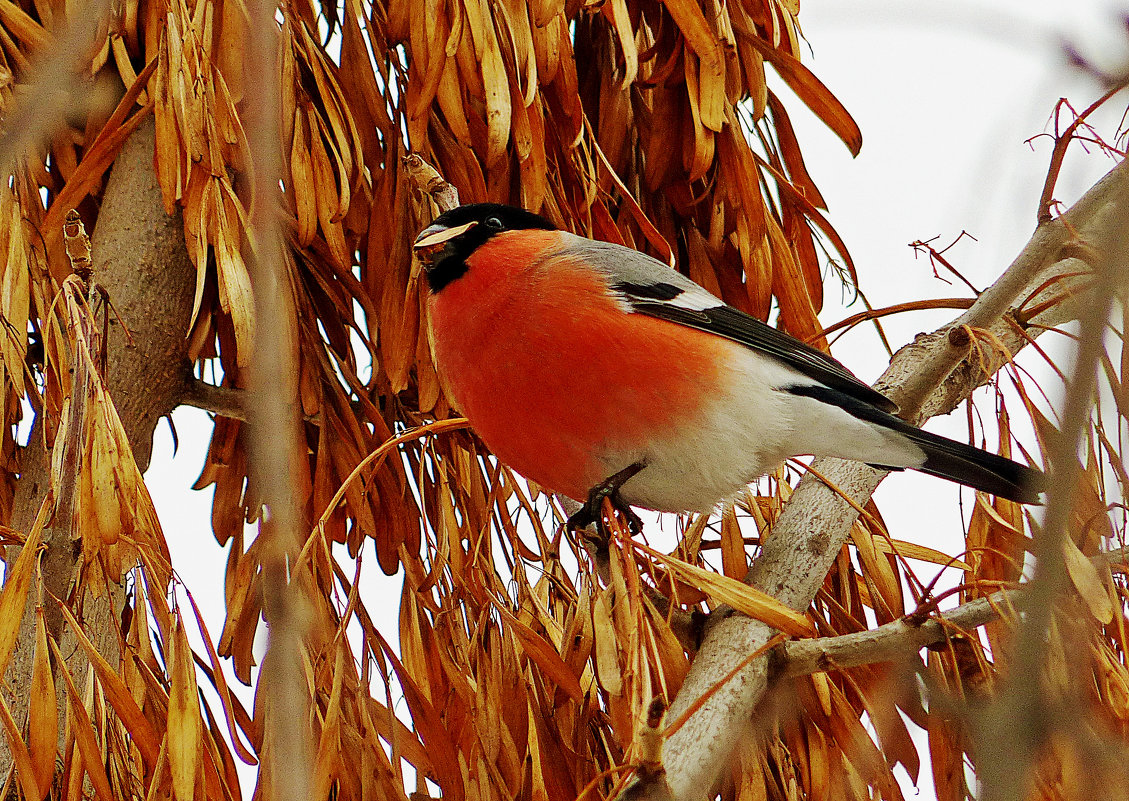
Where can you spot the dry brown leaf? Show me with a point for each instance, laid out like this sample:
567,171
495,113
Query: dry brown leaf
229,703
547,43
141,730
815,95
15,293
233,279
184,727
84,734
24,28
326,195
329,742
947,760
101,465
745,599
21,759
616,10
544,654
17,582
498,107
606,650
1088,581
698,161
429,724
878,573
42,721
302,174
704,43
922,553
734,560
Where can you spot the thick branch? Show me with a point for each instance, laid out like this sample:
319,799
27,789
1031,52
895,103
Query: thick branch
224,401
276,447
924,378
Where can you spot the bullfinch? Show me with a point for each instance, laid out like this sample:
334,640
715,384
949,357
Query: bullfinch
596,370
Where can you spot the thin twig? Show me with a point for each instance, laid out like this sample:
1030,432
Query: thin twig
897,308
1046,199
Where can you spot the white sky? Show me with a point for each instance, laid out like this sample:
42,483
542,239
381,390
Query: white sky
945,94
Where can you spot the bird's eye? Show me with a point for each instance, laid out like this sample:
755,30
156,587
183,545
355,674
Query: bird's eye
494,222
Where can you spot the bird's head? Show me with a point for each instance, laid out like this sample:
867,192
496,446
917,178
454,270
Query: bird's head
444,246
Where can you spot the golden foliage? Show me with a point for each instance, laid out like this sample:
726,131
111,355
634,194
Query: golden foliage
527,668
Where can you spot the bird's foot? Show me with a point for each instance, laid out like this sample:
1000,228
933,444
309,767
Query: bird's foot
591,512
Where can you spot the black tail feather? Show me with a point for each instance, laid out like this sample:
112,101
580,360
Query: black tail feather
979,469
944,458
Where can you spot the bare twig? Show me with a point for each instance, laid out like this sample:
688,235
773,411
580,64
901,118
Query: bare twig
938,257
224,401
897,308
428,180
1062,142
230,401
904,637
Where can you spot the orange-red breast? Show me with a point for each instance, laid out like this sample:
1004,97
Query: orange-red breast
577,360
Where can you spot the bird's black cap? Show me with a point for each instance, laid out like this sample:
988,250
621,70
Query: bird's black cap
443,246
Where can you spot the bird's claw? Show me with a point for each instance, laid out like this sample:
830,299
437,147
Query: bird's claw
592,510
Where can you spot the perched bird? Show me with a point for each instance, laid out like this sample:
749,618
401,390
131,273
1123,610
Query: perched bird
596,370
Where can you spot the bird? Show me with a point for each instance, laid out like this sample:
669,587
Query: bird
595,370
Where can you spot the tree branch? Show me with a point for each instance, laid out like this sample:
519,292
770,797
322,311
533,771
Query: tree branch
224,401
929,376
276,448
1014,728
905,636
230,401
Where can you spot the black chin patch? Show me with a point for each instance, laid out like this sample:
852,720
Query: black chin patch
444,270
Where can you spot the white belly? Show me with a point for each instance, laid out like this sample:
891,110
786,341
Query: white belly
750,427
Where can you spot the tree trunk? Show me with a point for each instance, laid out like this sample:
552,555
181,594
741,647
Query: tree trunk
140,259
